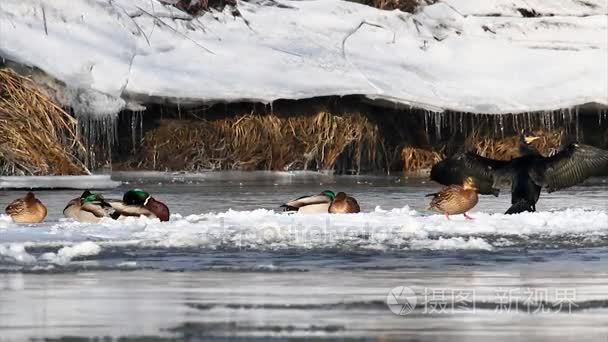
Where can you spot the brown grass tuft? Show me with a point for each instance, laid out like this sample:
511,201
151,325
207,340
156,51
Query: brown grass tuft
404,5
259,142
507,148
418,159
37,137
198,7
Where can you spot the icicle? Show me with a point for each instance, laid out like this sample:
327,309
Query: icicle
501,124
576,123
438,118
133,130
472,123
426,123
460,116
99,135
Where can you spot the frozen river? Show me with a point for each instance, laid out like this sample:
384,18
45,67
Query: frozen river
230,266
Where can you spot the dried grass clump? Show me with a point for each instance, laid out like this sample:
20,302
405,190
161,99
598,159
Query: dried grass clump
404,5
418,159
259,142
37,137
507,148
198,7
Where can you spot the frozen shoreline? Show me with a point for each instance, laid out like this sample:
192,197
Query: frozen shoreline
453,55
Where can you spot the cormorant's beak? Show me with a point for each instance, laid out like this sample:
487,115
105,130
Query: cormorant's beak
530,139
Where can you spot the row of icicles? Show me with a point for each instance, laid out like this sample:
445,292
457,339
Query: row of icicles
568,119
102,132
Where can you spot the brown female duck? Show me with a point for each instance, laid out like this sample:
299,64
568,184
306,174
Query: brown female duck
27,209
344,204
455,199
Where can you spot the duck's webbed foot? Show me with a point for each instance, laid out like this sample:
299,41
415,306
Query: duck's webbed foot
468,217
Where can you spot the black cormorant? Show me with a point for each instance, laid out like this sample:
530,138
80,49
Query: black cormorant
527,173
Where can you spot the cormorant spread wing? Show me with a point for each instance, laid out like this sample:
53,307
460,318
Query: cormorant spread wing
570,166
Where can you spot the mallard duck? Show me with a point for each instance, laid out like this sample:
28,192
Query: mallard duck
136,202
311,204
27,209
455,199
89,207
527,173
344,204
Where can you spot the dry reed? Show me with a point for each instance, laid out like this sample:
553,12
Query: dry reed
37,137
259,142
507,148
418,159
404,5
198,7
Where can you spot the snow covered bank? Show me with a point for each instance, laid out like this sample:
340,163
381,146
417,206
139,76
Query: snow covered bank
487,57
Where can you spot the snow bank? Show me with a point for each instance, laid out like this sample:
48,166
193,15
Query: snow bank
58,182
463,55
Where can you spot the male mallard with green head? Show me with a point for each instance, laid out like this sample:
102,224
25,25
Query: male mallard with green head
27,209
315,204
325,202
89,207
344,204
455,199
137,202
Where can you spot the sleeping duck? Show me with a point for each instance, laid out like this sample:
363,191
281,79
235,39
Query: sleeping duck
325,202
344,204
27,209
89,207
137,202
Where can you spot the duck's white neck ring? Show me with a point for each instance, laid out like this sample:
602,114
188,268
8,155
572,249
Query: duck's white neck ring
147,200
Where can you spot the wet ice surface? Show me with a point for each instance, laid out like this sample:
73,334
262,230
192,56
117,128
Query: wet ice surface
230,264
